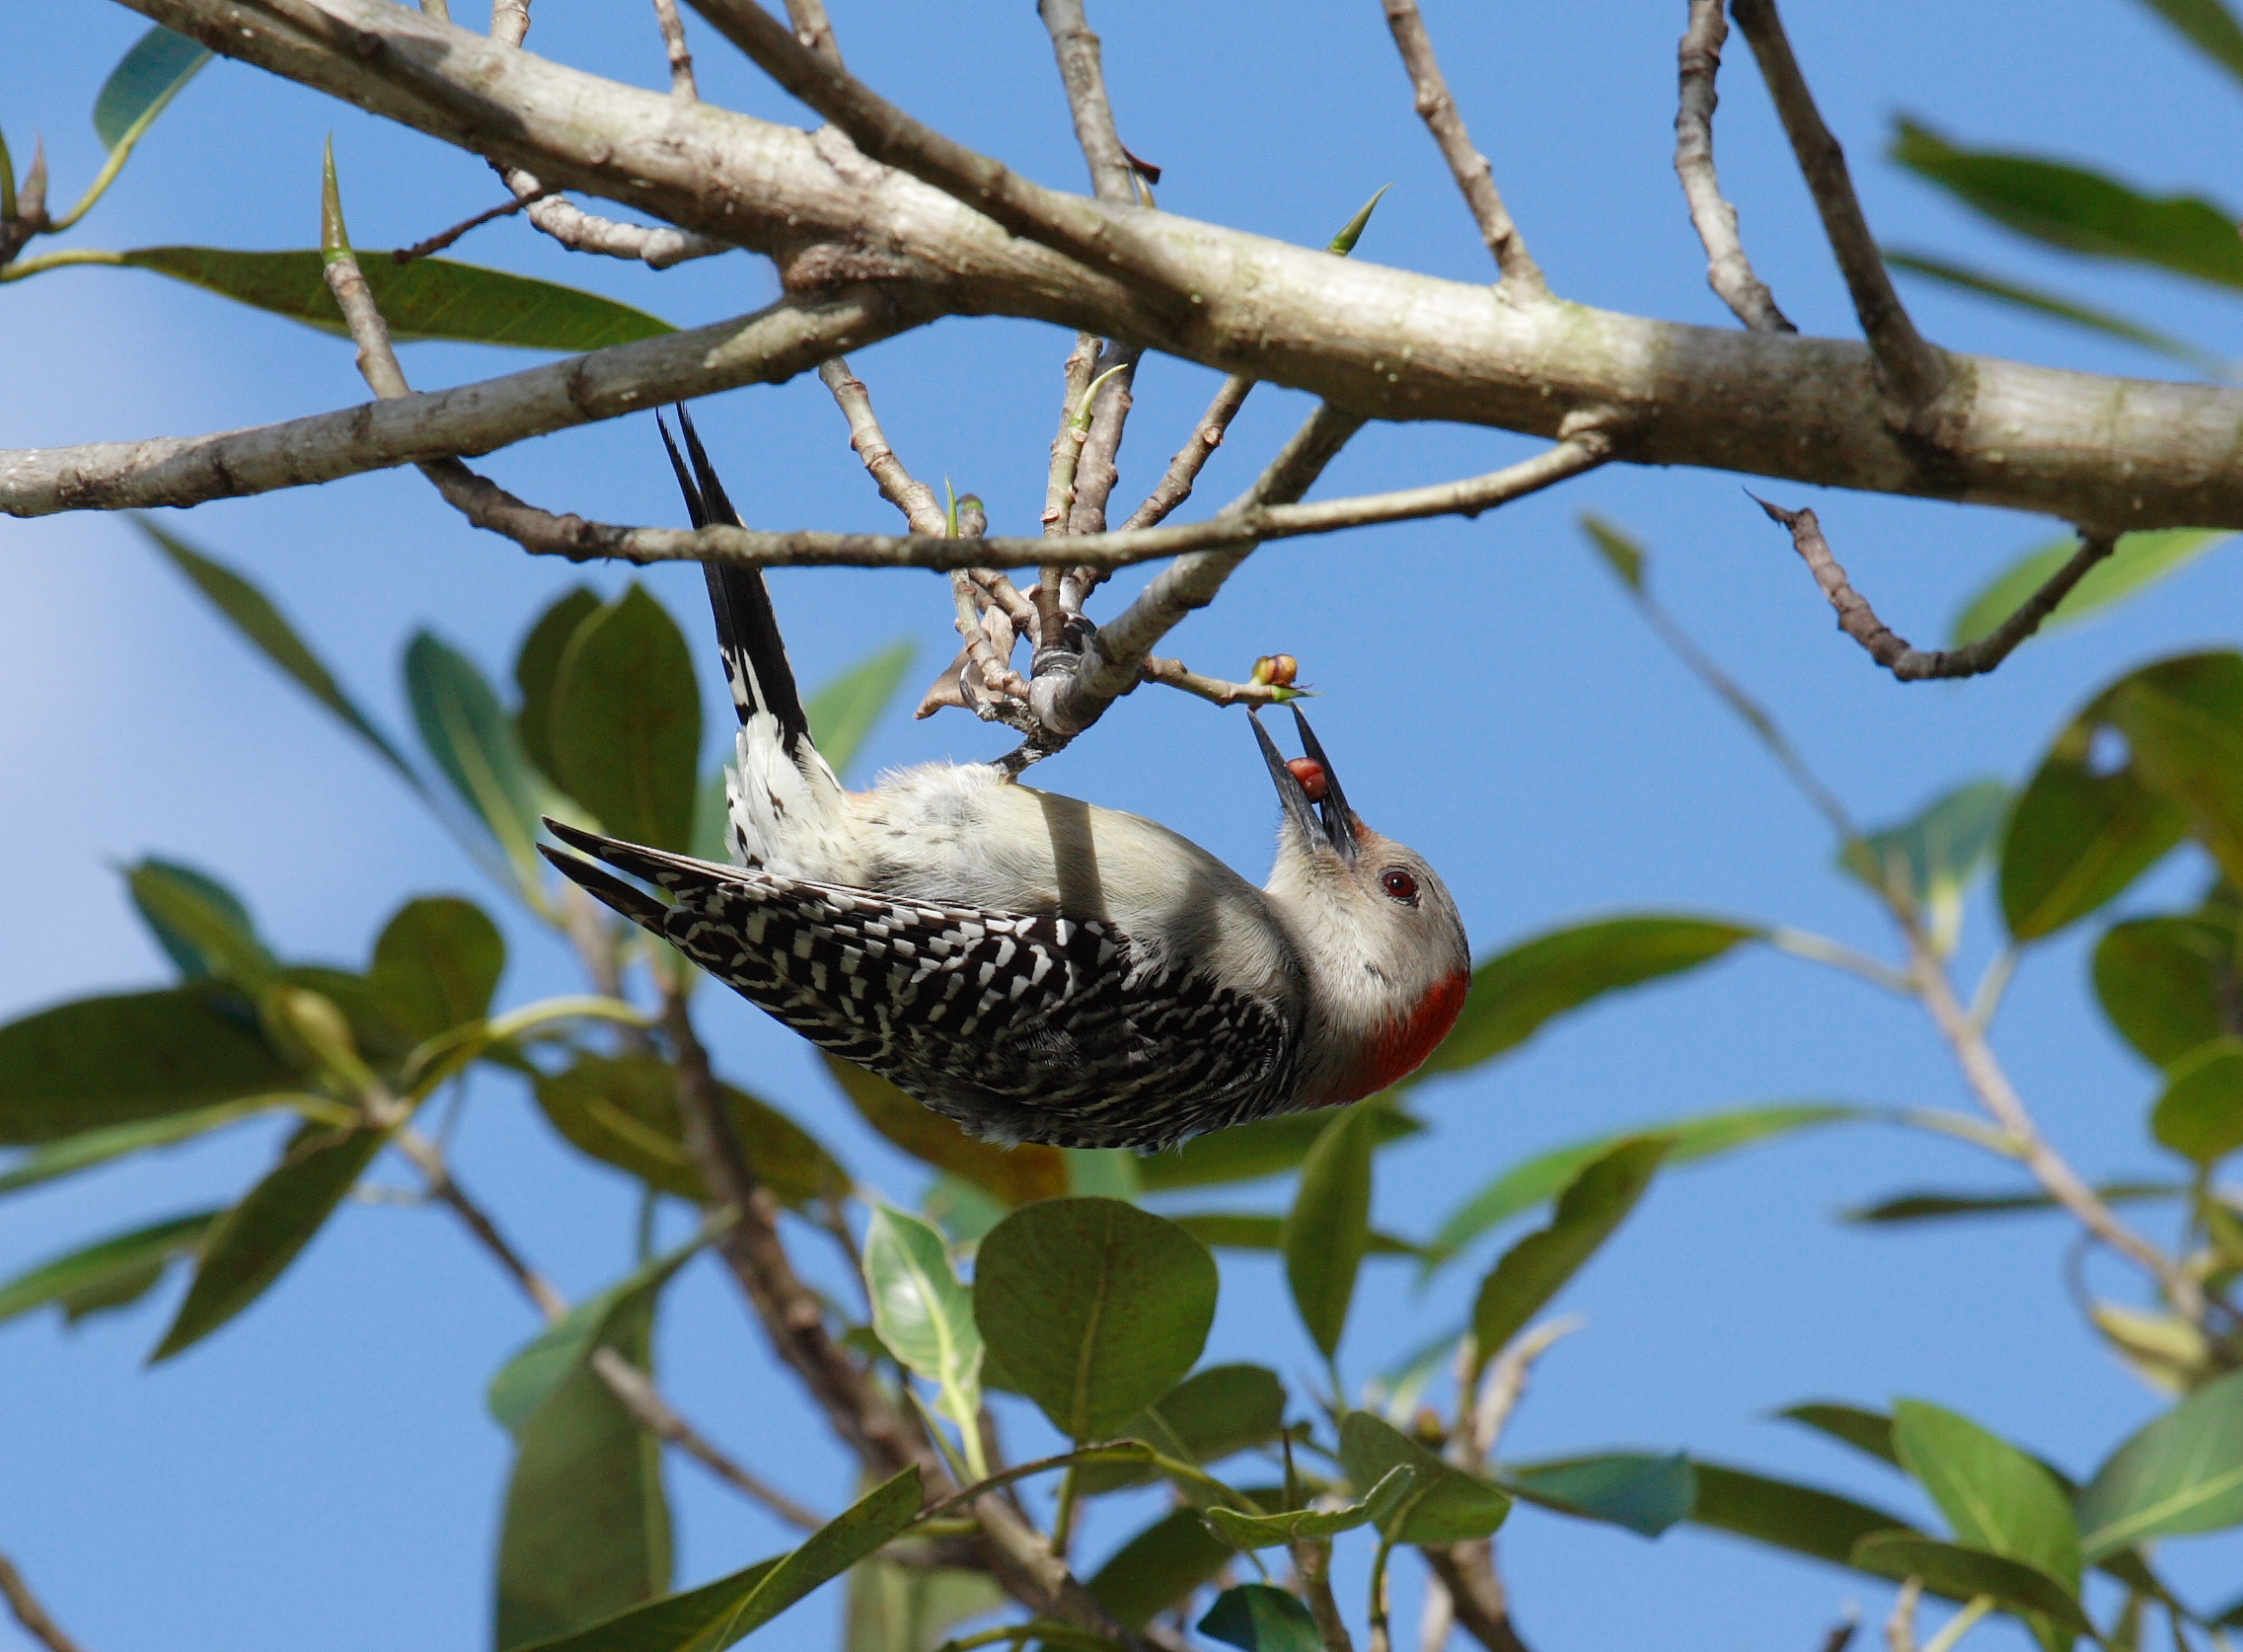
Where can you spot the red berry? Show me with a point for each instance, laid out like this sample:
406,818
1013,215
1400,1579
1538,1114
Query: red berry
1310,773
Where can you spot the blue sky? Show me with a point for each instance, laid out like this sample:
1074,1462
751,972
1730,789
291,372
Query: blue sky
322,1474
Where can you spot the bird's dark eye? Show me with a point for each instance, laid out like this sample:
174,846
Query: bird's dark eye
1400,884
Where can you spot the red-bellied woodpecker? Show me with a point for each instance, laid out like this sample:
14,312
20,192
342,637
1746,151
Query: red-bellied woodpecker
1036,968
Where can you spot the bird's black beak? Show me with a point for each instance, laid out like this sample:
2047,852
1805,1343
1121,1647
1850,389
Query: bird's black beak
1337,826
1340,823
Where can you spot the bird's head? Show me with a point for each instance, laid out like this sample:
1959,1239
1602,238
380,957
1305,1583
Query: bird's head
1380,936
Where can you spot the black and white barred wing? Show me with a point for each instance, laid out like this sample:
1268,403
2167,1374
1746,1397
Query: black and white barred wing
1021,1028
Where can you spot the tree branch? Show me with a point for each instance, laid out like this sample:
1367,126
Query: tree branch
1910,664
1483,1610
581,231
30,1613
1913,371
1727,270
674,47
1112,176
914,498
1175,486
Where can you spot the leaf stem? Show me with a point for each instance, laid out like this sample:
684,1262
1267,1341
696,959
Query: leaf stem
1959,1625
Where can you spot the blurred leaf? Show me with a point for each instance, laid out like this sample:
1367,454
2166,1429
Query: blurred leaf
253,1242
925,1316
1644,1493
2208,26
2169,984
1104,1172
2183,721
147,78
1092,1307
2062,309
428,298
200,923
2166,1351
2201,1115
1932,1207
1513,992
1963,1573
1329,1225
92,1147
474,743
537,667
843,712
100,1062
1783,1515
1266,1148
436,966
1866,1430
1537,1268
1996,1497
714,1616
1622,552
1259,1617
2140,560
96,1274
258,620
1220,1230
623,1110
586,1530
1209,1415
1249,1531
1703,1136
1016,1175
381,1045
1444,1504
625,729
712,819
1933,856
964,1212
2180,1475
2077,209
913,1608
1160,1567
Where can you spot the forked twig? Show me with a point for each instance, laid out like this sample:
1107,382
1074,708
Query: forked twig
1727,270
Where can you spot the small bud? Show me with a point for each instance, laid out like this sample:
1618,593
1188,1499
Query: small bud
1283,668
1310,773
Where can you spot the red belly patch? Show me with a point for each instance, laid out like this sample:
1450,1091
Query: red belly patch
1403,1044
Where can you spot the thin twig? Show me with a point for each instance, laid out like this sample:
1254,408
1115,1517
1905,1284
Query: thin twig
1520,275
1900,1627
813,30
1173,673
1842,1632
914,498
1183,470
1505,1385
30,1613
646,1405
996,672
437,243
1482,1608
1911,370
1095,473
1912,664
438,1178
1060,592
509,21
1727,270
1312,1569
658,247
1112,176
674,47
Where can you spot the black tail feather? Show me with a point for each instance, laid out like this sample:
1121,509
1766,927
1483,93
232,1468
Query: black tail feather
747,630
636,905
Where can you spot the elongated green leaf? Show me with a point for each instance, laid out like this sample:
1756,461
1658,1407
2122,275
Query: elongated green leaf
1963,1573
1014,1175
94,1147
1622,551
1329,1226
2208,26
587,1529
96,1275
1269,1147
474,743
842,713
1260,1618
1866,1430
1644,1493
913,1608
2077,209
2054,305
714,1616
1444,1504
1104,1172
2183,721
1704,1136
428,298
2140,560
254,616
1933,1207
2182,1474
1091,1308
537,668
255,1242
102,1062
202,924
1537,1267
2201,1115
1249,1531
1221,1229
147,78
1995,1497
1209,1415
1515,993
1787,1516
1933,858
436,966
624,730
1158,1567
2166,983
923,1315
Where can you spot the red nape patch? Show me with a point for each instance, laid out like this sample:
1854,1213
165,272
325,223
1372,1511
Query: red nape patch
1402,1045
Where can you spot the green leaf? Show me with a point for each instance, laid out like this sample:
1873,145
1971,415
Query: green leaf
712,819
1513,992
2208,26
1092,1307
474,743
1249,1531
623,1110
1160,1567
1934,856
1351,232
92,1276
1703,1136
1444,1504
1996,1497
1329,1226
1622,552
1268,1147
254,616
1644,1493
1209,1415
2062,309
1104,1172
714,1616
2140,560
1787,1516
913,1608
1964,1573
925,1316
2201,1115
1222,1229
1932,1207
537,667
1537,1267
1014,1175
2180,1475
1866,1430
428,298
102,1062
2077,209
92,1147
2183,721
255,1242
625,729
1260,1618
2166,983
202,924
436,966
843,712
586,1527
147,78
